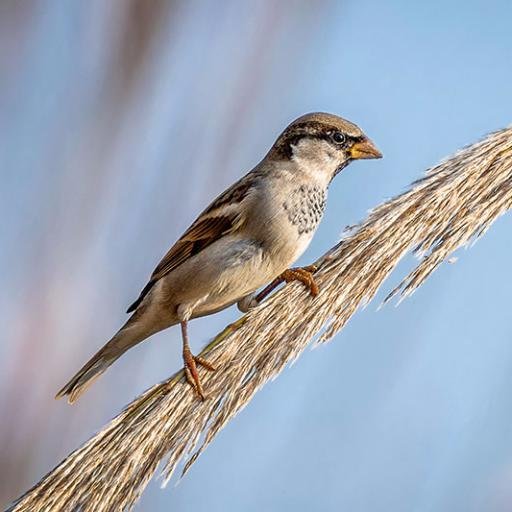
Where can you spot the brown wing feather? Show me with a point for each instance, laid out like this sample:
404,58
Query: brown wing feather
200,235
216,221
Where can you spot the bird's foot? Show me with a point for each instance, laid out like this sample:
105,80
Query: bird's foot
191,361
302,274
305,276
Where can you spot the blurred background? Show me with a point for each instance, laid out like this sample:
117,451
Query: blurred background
120,120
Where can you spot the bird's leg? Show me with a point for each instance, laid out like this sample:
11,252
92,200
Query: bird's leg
191,361
302,274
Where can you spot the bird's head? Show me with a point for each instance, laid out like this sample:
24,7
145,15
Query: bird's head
323,144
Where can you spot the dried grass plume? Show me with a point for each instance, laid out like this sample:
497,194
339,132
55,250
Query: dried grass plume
452,205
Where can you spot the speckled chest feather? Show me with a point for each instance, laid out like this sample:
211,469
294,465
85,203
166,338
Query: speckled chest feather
305,207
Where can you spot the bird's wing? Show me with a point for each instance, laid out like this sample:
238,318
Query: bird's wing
225,215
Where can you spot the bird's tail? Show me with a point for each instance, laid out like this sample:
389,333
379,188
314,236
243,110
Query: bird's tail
128,336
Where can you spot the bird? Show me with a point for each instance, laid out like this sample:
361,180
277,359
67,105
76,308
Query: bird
248,237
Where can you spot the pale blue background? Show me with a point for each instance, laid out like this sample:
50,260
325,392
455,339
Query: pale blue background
120,120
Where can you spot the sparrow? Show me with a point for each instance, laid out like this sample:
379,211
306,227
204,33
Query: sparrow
249,236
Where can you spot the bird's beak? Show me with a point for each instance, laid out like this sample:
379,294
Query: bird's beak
364,149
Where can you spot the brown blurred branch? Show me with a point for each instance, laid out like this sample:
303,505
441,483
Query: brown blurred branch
453,204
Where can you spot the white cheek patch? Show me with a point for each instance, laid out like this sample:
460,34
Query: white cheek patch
316,158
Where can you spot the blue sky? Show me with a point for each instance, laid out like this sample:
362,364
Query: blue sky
408,408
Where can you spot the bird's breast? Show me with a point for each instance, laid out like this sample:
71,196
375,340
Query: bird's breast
287,223
304,208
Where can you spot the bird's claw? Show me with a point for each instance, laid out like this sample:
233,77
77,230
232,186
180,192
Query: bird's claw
191,374
305,276
302,274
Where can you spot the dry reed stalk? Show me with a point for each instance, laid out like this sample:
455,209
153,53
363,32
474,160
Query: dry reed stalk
453,204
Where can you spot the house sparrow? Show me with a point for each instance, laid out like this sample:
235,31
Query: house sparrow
248,236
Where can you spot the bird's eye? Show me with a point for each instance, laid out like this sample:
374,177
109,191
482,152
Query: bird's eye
338,137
